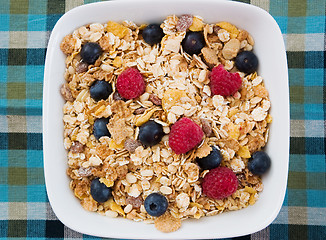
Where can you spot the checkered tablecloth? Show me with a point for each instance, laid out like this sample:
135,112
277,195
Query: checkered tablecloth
25,26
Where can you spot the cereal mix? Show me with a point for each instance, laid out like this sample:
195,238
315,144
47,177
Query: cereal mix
164,122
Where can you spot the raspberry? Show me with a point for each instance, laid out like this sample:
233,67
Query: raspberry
185,135
223,82
130,83
220,183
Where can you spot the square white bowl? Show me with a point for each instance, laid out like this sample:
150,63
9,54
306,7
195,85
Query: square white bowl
269,47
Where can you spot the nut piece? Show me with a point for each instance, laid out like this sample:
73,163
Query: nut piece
77,147
155,99
184,22
231,49
167,223
206,126
82,67
117,96
210,56
135,202
66,93
139,111
131,145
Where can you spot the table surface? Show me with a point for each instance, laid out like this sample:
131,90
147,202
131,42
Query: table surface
25,27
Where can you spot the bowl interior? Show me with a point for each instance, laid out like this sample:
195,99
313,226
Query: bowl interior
269,48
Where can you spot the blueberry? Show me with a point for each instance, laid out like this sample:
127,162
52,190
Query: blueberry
90,52
212,160
193,42
152,34
151,133
100,90
100,129
259,163
156,204
99,191
246,62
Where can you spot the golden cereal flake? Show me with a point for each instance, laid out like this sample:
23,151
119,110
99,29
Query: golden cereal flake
117,29
115,207
167,223
106,182
119,130
233,30
203,150
121,109
197,24
233,130
114,145
244,152
140,120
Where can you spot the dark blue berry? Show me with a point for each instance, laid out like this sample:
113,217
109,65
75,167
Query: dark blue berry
246,62
193,42
259,163
100,129
90,52
212,160
156,204
150,133
99,191
152,34
100,90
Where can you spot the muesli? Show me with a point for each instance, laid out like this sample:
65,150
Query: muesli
164,122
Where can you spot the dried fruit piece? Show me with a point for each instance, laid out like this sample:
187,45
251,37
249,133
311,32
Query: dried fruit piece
184,22
117,29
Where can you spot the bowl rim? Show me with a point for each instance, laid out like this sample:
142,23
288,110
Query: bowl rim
47,120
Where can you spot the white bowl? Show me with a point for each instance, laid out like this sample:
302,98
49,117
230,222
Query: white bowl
269,48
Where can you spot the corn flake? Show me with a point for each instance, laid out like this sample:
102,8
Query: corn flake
197,25
244,152
117,29
230,28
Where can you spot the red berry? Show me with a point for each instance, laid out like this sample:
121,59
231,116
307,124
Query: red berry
185,135
130,83
220,183
223,82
